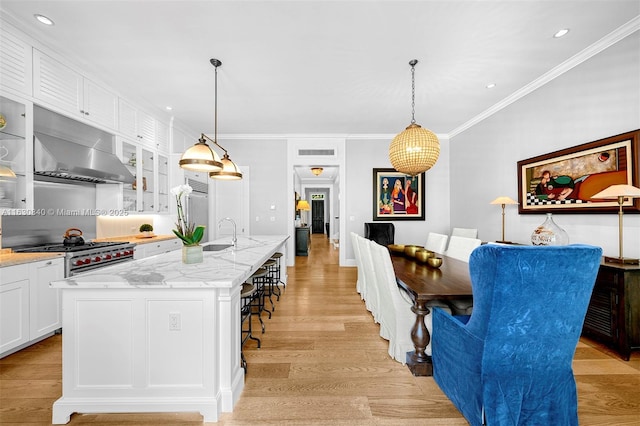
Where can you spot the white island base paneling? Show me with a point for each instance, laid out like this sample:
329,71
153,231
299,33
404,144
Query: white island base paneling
156,335
151,350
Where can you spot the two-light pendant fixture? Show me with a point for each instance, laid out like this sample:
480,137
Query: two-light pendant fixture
416,149
200,157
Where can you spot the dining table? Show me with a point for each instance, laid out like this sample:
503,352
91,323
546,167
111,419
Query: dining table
424,283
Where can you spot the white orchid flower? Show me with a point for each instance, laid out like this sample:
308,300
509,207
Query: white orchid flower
181,189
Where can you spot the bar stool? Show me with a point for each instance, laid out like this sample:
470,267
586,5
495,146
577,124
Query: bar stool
277,256
247,294
260,280
271,266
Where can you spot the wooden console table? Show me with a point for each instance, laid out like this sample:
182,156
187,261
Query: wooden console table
303,240
613,316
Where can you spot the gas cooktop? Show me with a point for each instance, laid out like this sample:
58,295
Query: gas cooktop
56,247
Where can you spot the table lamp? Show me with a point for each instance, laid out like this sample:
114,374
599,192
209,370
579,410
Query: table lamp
304,206
619,192
503,201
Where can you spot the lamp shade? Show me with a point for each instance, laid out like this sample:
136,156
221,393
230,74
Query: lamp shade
316,170
615,191
229,170
200,158
503,200
414,150
303,205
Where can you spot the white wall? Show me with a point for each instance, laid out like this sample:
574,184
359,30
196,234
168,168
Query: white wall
596,99
365,155
268,182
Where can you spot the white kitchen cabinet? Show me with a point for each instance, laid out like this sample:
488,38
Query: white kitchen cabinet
202,177
29,308
45,308
163,184
58,85
162,137
16,154
149,203
136,124
156,247
14,307
150,191
180,141
129,158
15,63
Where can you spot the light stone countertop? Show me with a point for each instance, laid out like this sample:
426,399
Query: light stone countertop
136,238
8,258
224,268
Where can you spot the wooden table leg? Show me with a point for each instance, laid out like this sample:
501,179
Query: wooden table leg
418,361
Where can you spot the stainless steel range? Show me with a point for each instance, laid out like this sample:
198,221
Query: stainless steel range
86,256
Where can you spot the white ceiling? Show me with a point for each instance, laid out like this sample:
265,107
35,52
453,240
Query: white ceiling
329,67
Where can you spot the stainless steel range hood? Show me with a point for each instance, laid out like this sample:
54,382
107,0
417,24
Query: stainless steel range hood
61,159
68,151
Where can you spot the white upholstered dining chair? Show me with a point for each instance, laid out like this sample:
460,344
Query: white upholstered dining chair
370,291
395,307
465,232
461,247
436,242
356,252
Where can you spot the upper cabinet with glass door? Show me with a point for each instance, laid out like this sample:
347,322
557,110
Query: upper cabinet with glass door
129,190
14,155
140,196
163,184
148,181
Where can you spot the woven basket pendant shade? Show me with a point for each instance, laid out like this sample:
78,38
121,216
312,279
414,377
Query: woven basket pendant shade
414,150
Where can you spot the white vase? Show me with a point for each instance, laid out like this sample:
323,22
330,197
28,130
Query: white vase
192,254
549,234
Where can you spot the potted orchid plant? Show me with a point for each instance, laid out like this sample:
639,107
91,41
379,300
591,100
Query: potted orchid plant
189,233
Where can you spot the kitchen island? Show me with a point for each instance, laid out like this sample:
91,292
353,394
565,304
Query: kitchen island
157,335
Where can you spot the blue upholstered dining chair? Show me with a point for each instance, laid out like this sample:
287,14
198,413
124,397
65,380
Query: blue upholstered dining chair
510,361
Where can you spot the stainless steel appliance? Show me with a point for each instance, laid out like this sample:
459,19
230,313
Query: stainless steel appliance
198,206
85,257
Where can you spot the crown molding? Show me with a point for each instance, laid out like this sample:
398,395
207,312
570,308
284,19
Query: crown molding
602,44
285,136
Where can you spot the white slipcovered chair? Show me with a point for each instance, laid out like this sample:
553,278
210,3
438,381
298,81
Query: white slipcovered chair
395,307
436,242
461,247
370,290
356,251
465,232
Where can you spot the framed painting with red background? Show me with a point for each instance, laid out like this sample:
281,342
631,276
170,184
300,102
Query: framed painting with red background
564,181
397,196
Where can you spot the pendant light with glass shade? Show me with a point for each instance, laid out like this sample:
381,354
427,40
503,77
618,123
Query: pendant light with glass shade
416,149
200,157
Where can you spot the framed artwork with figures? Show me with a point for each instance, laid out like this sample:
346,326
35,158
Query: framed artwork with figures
565,181
397,196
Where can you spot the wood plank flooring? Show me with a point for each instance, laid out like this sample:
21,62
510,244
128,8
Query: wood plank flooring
322,362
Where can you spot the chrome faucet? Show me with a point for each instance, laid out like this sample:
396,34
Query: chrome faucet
234,240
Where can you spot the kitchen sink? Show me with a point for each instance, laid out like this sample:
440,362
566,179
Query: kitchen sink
216,247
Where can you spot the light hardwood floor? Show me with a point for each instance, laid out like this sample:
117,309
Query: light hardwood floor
322,362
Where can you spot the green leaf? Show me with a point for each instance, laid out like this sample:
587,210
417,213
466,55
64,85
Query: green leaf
184,240
198,233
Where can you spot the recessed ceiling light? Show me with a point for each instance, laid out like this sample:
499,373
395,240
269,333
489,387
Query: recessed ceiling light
43,19
561,33
490,85
168,108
